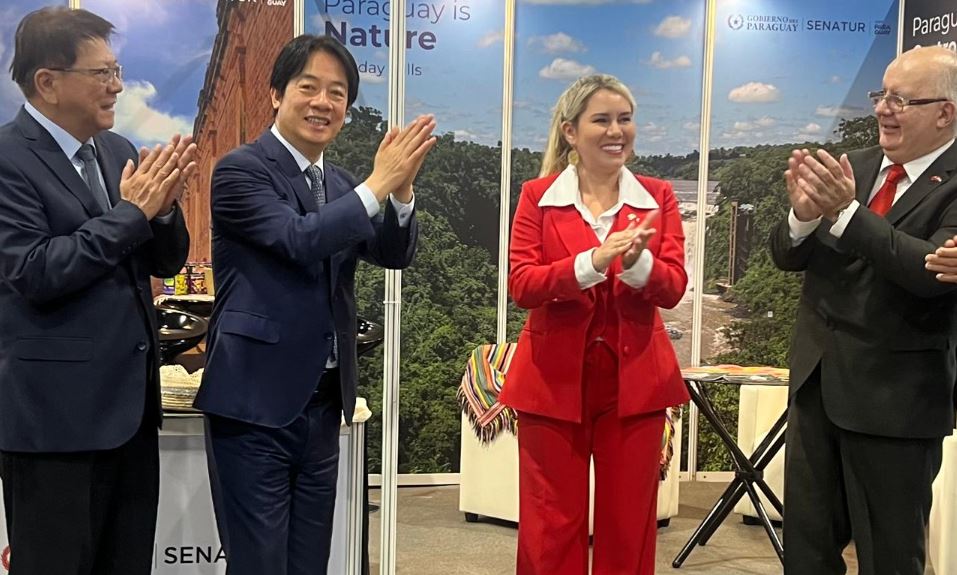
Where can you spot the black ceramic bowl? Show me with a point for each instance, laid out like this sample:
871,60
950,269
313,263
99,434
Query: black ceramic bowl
369,336
197,305
178,332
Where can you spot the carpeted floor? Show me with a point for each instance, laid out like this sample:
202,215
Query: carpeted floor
435,539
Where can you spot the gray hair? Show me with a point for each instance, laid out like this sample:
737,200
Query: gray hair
947,80
940,72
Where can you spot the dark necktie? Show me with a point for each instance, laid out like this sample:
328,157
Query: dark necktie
87,155
319,193
884,198
315,185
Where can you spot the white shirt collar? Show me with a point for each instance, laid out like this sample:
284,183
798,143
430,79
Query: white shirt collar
64,139
915,168
564,191
301,160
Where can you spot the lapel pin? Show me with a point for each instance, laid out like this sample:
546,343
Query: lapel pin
936,179
632,217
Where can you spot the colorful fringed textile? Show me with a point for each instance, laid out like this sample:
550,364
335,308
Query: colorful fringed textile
478,392
478,398
667,441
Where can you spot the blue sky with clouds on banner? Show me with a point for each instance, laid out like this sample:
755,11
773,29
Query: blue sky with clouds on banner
458,76
654,47
164,47
770,86
794,80
11,11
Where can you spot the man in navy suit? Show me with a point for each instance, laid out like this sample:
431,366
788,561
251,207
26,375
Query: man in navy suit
84,221
288,231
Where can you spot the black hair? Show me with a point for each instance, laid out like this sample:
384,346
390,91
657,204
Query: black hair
49,38
294,56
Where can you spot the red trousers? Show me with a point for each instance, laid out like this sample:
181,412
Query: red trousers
554,459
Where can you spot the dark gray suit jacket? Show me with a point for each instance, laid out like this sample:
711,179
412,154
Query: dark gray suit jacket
879,324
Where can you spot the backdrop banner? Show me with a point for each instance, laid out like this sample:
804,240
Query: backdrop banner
929,23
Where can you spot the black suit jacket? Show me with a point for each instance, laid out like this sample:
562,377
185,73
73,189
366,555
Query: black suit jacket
78,348
285,282
879,324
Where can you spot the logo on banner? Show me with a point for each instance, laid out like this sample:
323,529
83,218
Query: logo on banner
266,2
190,555
836,25
882,29
783,23
763,23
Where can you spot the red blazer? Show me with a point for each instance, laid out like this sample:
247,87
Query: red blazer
545,374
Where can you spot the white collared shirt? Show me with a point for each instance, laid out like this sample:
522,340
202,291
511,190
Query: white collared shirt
64,139
913,169
564,191
71,146
403,211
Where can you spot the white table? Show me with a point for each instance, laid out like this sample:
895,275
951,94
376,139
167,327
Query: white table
186,538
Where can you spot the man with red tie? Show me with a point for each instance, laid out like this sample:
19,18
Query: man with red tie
872,357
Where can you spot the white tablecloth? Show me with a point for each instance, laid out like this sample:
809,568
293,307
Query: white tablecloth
186,538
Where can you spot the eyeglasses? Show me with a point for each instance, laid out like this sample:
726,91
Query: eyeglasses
104,75
897,103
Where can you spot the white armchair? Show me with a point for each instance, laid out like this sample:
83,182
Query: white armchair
488,472
488,478
759,407
943,514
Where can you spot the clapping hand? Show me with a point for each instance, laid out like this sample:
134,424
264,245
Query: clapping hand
825,181
185,151
627,243
399,158
943,261
804,208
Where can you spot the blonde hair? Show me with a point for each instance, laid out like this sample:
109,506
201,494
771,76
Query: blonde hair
573,101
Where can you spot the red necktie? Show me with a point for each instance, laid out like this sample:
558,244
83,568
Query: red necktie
884,198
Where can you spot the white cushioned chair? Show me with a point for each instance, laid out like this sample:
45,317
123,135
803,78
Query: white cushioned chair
943,513
758,408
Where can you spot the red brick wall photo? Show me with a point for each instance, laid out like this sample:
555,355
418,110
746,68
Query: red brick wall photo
234,106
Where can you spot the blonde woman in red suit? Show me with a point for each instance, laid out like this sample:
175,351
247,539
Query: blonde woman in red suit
595,251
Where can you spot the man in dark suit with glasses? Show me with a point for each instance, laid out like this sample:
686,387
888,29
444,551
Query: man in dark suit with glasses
872,356
85,220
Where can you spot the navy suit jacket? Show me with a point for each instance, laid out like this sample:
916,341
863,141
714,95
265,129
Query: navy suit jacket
285,282
78,349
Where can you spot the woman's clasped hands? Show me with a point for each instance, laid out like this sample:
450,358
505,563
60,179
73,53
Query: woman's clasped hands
627,243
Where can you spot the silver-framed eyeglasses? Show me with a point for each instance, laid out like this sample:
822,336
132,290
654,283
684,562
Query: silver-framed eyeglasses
897,103
104,75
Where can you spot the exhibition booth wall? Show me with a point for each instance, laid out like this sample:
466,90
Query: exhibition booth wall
769,75
724,89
